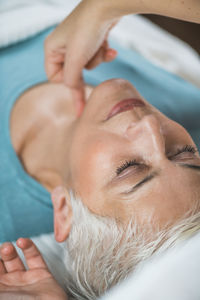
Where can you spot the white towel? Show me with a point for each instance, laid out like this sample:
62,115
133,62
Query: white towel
172,276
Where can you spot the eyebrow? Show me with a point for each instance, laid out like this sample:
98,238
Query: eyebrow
155,174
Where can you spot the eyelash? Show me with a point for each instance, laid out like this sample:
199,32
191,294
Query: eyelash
125,165
186,148
134,162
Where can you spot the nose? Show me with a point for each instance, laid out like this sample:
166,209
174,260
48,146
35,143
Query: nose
147,137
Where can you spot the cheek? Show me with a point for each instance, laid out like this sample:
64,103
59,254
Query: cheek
90,167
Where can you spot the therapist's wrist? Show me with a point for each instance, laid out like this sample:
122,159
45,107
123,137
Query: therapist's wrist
100,13
114,9
101,10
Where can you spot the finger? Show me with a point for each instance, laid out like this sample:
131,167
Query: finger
58,74
73,73
97,59
79,100
80,51
54,63
54,56
11,259
2,267
75,61
110,55
105,56
24,280
32,255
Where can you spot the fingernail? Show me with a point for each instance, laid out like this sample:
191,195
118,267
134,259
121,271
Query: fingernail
111,52
19,242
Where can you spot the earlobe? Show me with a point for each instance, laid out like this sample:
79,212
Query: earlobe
62,213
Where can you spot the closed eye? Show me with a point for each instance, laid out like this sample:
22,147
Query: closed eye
184,149
125,165
134,162
156,174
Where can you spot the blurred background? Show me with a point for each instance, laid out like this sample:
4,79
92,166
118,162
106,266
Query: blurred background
188,32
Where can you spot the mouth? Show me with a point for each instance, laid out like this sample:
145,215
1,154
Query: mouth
125,105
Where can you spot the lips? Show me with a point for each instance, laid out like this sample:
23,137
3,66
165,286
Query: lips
124,105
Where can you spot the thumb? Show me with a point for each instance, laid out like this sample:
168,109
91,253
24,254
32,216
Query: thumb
78,95
82,48
73,66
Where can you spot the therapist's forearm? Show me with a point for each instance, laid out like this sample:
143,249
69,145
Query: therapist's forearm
188,10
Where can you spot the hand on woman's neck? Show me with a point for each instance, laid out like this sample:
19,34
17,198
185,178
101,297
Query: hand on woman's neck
42,123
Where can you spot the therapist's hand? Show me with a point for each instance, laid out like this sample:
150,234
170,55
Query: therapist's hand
18,283
80,41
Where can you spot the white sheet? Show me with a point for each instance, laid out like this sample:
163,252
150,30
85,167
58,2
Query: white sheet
173,276
20,19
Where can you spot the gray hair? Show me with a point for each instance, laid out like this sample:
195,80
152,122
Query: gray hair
101,252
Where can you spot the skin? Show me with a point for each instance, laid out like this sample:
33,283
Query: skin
143,134
91,149
18,283
81,41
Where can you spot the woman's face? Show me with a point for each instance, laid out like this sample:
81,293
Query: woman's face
132,160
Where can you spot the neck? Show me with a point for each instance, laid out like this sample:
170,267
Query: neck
42,137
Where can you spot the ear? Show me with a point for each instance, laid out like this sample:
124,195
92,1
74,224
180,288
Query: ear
62,213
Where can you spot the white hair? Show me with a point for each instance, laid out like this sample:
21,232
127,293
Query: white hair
101,252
